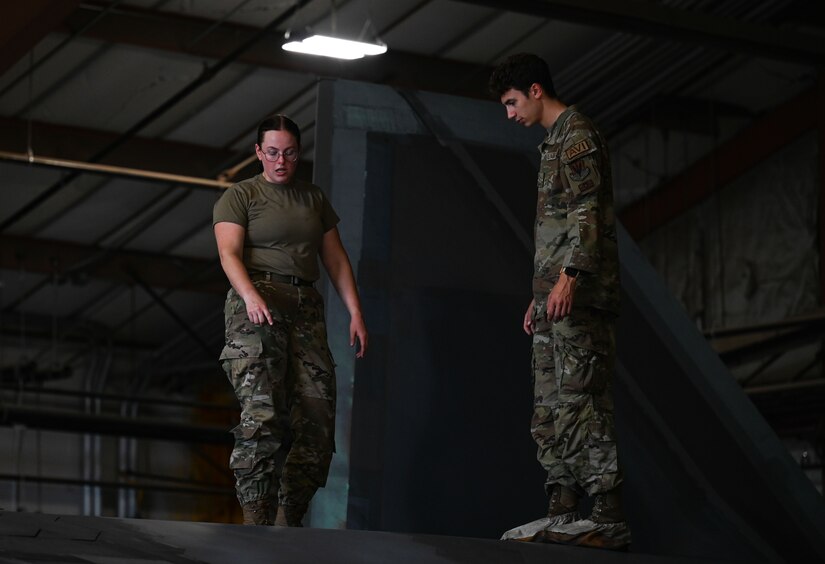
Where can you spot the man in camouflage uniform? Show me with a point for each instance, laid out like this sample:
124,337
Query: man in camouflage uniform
572,316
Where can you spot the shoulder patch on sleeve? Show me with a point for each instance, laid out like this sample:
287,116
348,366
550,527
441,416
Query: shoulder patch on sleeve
580,147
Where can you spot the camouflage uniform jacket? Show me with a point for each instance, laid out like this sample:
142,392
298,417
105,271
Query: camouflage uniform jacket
575,224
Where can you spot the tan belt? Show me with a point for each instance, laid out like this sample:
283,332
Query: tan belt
282,278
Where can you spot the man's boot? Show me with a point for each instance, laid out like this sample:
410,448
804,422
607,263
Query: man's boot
605,528
258,512
290,515
563,508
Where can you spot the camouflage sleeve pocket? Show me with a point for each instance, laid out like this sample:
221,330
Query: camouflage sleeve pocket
243,339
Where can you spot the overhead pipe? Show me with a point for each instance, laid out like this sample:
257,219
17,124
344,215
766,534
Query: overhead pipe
150,175
123,397
144,428
208,74
193,490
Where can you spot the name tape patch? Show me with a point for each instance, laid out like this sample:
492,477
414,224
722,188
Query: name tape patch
582,146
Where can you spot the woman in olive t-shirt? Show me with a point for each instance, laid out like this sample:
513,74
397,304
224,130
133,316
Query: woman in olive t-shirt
270,231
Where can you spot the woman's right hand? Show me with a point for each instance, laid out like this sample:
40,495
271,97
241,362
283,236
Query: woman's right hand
529,325
256,309
230,238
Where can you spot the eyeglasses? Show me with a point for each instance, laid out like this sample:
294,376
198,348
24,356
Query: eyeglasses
290,155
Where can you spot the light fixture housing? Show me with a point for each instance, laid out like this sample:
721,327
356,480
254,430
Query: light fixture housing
326,46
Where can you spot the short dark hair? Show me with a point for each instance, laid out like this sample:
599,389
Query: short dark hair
279,122
521,71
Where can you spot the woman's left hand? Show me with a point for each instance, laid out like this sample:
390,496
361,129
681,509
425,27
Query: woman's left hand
357,330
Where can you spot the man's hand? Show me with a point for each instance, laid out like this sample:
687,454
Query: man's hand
560,300
529,324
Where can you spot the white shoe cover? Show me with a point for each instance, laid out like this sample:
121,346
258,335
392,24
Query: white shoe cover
585,532
527,531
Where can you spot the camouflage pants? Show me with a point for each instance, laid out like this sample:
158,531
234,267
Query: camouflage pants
283,376
573,362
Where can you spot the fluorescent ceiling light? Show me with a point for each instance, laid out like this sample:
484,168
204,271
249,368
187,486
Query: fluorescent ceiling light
326,46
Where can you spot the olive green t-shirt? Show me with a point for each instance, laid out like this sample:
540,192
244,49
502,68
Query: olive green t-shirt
284,224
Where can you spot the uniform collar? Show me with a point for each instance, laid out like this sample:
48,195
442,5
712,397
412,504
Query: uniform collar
558,125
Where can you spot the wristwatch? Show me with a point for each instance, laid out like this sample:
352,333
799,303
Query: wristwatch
571,272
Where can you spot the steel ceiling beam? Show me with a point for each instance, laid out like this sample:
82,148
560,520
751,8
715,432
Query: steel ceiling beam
718,169
50,257
788,323
785,386
758,346
654,20
38,331
181,322
173,32
43,59
24,24
208,73
686,114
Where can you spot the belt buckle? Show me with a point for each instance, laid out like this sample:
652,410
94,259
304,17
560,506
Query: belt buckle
295,281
